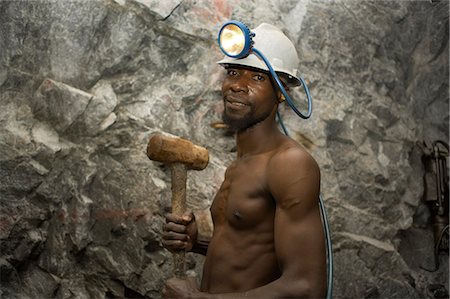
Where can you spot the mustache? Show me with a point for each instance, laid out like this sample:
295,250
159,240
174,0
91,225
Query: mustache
234,99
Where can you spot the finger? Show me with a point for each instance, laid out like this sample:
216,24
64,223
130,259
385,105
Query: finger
178,228
174,236
174,245
185,219
173,218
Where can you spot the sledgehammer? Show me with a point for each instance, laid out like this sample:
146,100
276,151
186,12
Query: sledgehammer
181,155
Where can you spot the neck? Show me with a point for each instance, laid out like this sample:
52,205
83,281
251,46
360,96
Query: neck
260,138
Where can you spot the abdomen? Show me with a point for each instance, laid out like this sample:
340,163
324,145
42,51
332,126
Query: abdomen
238,261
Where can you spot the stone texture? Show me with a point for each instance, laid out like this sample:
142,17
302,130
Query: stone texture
83,84
59,103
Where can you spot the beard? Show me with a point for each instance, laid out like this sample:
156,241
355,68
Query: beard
240,124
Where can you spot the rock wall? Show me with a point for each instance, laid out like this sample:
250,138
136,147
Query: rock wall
85,83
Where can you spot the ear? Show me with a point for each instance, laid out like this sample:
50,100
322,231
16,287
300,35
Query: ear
280,95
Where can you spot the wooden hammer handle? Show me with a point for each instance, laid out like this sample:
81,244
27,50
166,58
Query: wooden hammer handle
179,176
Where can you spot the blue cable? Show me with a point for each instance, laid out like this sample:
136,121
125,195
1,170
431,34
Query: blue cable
326,229
280,85
280,121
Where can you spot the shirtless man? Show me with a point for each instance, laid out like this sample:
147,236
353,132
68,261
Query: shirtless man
268,239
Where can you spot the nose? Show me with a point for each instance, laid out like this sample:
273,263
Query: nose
239,85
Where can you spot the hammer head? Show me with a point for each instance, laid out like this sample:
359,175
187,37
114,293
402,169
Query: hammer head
171,149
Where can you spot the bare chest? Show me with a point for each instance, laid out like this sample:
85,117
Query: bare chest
244,201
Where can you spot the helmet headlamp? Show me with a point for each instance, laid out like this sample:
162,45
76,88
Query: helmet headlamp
235,39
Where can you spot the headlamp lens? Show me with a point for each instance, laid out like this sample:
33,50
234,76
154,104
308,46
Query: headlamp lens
232,40
235,39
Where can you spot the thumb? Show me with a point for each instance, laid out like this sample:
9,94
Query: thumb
187,217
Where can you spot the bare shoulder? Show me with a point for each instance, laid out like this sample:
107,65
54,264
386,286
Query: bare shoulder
293,175
292,156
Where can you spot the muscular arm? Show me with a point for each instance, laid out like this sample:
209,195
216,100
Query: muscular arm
293,180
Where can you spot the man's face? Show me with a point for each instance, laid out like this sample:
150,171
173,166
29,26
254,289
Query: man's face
248,96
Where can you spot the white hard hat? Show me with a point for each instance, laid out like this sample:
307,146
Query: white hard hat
277,48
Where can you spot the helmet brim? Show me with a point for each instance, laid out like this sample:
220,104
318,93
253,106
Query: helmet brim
253,62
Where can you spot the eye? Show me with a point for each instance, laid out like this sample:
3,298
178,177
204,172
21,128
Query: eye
231,72
259,77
